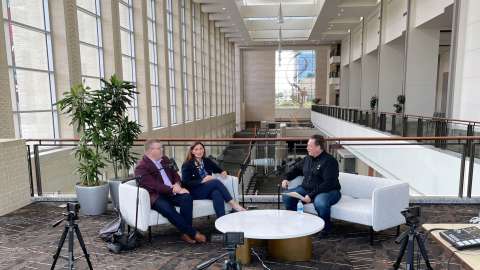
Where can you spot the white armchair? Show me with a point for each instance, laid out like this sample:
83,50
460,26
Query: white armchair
372,201
148,217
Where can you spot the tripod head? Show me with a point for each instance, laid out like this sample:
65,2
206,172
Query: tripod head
71,215
412,215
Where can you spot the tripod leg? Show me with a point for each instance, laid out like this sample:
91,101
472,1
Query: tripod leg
82,245
410,250
59,248
423,251
401,252
71,259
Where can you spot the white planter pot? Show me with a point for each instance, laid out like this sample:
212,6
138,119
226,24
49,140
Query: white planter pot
93,200
114,184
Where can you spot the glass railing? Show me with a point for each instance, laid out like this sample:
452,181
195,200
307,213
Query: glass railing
260,159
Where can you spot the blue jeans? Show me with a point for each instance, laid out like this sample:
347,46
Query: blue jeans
213,190
322,203
165,205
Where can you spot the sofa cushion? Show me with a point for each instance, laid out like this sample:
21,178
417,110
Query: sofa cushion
348,209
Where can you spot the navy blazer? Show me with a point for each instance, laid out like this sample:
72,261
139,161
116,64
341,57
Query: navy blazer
152,179
191,176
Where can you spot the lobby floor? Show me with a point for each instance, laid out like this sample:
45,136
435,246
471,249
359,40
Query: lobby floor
27,241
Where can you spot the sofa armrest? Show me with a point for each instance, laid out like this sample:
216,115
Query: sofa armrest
387,202
231,183
127,194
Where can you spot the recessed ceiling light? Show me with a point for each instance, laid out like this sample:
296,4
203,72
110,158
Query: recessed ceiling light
339,14
224,8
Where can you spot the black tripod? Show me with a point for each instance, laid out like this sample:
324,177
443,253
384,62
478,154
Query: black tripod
407,240
230,264
70,228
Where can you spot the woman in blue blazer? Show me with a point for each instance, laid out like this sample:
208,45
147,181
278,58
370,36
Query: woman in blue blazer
197,178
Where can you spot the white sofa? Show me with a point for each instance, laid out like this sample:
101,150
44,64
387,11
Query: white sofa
372,201
148,217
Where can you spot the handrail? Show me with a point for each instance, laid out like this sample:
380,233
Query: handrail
188,139
400,114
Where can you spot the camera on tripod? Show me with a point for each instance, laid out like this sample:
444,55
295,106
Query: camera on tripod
72,209
233,239
230,241
412,215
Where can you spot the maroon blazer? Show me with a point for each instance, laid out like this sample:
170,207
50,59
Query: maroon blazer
152,179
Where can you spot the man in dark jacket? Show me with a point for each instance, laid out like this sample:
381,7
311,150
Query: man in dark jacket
164,187
320,181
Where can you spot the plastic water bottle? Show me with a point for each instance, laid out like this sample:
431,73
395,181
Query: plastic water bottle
300,206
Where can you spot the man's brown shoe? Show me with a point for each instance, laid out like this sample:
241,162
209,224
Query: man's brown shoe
200,238
188,239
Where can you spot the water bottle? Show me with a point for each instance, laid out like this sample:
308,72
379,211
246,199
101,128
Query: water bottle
300,206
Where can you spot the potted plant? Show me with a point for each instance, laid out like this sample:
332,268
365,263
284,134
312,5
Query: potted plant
373,102
120,131
400,104
83,107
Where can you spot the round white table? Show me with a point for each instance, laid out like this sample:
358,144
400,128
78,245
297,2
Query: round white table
287,232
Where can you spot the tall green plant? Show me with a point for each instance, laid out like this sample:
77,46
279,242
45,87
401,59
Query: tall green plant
120,132
83,108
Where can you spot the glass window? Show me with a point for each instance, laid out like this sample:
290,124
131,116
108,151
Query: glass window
294,78
29,51
128,50
183,53
152,49
91,46
171,69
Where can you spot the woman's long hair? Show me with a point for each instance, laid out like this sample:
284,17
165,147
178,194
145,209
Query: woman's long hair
190,156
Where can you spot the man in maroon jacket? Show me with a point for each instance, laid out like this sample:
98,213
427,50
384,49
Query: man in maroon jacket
164,186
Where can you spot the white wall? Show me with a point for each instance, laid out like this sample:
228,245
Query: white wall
372,28
429,171
394,19
391,70
357,43
421,80
369,78
467,77
426,10
354,90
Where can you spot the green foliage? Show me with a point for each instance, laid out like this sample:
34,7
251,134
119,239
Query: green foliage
373,102
120,131
400,104
101,118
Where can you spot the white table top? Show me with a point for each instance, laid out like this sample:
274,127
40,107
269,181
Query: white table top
270,224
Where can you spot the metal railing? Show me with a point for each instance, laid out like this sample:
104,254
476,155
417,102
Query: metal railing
405,124
273,146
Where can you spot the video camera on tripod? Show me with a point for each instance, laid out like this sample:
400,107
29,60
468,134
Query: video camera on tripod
412,215
408,238
230,241
71,228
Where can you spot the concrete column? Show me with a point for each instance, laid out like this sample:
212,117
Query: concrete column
422,62
239,91
466,97
66,54
112,51
6,115
142,65
355,82
391,54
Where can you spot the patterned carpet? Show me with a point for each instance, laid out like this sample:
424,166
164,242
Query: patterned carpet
27,241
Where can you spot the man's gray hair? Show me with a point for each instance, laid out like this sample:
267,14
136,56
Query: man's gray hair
150,142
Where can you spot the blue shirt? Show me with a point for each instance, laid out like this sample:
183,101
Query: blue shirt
166,179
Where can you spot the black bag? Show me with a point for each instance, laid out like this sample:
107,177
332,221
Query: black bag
114,233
